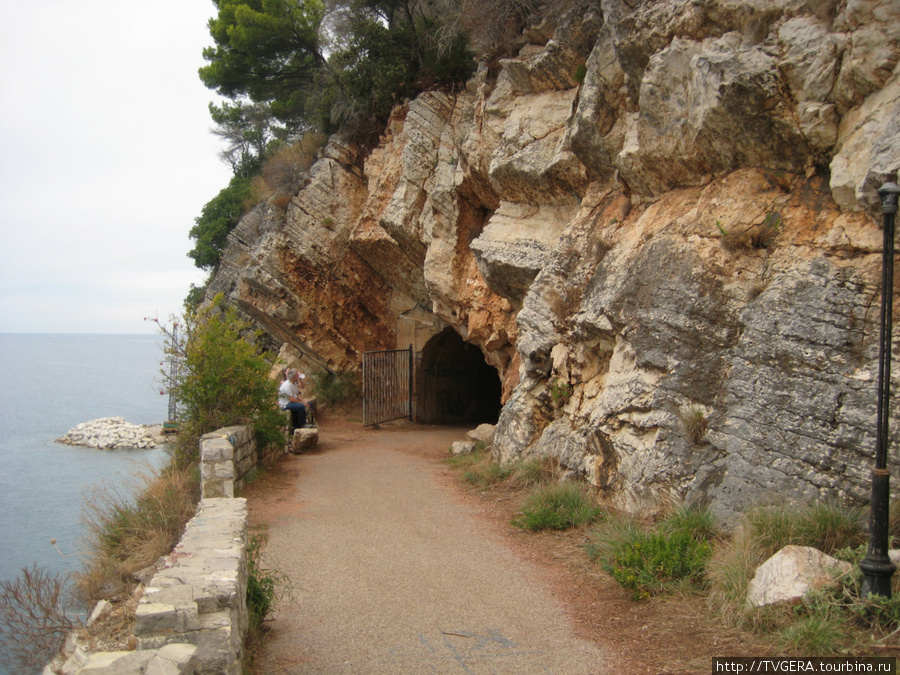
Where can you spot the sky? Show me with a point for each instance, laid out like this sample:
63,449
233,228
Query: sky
106,159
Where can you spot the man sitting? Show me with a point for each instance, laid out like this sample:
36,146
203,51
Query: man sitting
289,398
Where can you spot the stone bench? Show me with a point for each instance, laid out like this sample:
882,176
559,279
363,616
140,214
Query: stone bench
304,439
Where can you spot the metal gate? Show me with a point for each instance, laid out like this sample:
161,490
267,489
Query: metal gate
387,385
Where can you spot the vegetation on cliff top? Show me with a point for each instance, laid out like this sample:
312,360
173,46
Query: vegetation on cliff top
289,68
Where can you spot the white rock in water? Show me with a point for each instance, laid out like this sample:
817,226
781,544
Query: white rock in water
109,433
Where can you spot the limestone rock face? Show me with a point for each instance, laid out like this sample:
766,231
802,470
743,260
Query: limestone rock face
658,222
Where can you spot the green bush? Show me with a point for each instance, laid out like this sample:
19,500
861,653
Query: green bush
654,561
827,527
831,619
487,474
820,634
218,218
535,471
222,380
559,507
468,460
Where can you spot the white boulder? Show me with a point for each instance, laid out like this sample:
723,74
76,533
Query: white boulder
792,573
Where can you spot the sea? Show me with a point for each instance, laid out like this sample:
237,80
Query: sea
48,385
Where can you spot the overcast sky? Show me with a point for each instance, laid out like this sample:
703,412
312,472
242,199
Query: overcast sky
106,158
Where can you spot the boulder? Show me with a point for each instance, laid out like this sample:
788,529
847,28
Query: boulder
462,448
483,433
792,573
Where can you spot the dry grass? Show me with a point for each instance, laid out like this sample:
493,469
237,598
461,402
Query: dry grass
283,173
130,526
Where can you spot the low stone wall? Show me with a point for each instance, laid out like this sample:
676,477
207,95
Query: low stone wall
227,455
200,597
198,600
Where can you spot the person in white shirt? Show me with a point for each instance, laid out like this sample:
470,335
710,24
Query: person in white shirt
289,398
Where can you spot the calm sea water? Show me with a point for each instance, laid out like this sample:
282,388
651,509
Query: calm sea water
49,384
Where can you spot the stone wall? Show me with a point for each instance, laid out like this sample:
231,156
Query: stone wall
193,616
200,597
227,455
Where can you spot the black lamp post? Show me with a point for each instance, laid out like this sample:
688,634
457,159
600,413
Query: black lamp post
877,567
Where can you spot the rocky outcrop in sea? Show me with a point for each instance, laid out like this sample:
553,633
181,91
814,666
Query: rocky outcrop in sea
113,433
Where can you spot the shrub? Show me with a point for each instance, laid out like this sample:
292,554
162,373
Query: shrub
467,461
654,561
36,614
218,218
535,471
830,619
487,473
330,387
222,380
559,507
729,571
825,526
820,634
265,586
283,173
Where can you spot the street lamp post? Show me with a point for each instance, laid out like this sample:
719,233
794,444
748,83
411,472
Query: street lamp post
877,567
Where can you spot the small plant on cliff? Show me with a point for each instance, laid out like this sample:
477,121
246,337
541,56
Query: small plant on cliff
756,237
283,172
560,393
695,419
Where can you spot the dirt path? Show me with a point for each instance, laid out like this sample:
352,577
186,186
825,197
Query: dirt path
396,569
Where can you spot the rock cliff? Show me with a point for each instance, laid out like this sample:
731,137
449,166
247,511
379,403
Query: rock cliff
658,223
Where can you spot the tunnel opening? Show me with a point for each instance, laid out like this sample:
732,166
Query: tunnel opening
455,384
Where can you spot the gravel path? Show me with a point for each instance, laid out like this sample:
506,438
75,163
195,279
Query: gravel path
392,573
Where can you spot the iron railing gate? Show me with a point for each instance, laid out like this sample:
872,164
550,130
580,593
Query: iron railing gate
387,385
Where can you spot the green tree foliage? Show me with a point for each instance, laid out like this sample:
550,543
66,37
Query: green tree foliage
266,50
386,50
249,130
218,218
269,58
223,379
272,51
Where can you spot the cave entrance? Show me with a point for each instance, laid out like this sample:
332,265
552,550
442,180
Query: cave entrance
455,384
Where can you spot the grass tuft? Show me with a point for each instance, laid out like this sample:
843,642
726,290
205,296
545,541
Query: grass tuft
559,507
